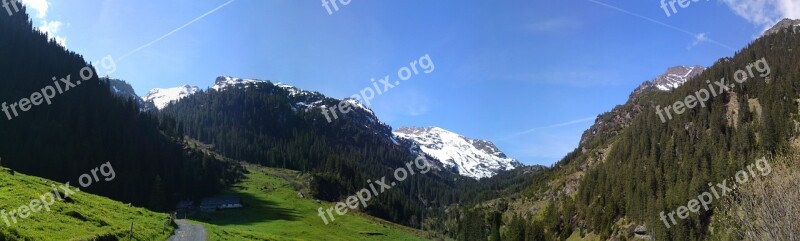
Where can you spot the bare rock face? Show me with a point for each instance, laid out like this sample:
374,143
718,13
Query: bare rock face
673,78
792,25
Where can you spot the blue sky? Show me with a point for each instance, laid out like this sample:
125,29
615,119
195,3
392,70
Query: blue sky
528,75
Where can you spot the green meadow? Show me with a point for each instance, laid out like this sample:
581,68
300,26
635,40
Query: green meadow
274,211
81,217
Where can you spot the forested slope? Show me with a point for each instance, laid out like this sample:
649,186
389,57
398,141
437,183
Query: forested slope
631,165
259,123
86,126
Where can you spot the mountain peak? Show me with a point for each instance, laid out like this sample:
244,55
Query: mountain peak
469,157
785,24
223,82
163,97
676,76
673,78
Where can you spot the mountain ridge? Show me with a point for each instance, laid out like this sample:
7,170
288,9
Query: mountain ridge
784,25
161,97
671,79
491,163
469,157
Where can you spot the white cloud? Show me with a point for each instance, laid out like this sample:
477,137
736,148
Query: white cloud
41,6
765,13
51,28
790,8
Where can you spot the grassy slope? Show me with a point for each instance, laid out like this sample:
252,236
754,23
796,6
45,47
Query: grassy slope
86,218
274,211
576,236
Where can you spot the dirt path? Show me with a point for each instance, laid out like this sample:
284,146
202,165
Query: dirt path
189,232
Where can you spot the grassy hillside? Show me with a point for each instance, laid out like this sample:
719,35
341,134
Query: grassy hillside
81,217
275,211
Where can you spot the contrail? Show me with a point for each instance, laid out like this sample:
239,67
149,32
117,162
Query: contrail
694,35
176,30
572,122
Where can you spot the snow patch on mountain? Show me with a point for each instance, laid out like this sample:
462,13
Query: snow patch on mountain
673,78
303,99
355,103
125,90
469,157
163,97
676,76
224,82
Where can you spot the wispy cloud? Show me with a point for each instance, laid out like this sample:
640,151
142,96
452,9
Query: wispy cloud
406,101
555,24
573,78
568,123
698,39
546,145
764,13
418,110
416,103
549,146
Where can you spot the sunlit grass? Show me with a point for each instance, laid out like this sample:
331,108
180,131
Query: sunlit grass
274,211
86,217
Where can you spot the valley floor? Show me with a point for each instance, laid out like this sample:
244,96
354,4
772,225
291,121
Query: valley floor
275,211
188,231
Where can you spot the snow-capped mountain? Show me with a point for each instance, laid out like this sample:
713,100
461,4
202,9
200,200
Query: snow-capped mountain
306,100
676,76
469,157
224,82
163,97
671,79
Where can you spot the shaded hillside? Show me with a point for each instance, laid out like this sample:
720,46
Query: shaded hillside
87,125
